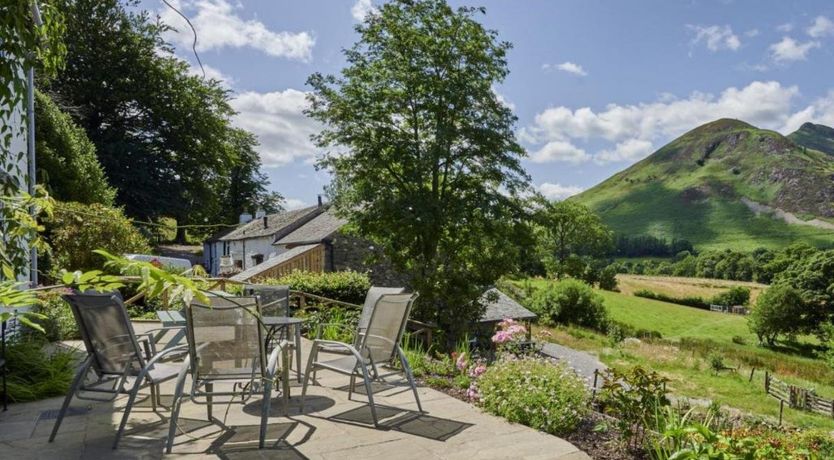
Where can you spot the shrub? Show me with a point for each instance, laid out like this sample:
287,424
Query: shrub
634,397
545,396
35,373
347,286
716,362
690,301
573,302
779,310
59,323
335,323
76,229
736,295
608,278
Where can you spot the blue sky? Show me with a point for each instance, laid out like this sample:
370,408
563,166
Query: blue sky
596,85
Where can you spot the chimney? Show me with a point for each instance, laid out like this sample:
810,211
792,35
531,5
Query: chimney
320,201
266,222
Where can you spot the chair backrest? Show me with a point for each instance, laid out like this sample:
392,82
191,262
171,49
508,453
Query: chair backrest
386,326
107,332
274,300
225,338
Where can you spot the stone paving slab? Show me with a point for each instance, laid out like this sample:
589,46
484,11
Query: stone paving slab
331,427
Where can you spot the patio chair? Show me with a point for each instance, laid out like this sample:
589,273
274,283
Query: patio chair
114,355
226,347
371,298
378,342
275,303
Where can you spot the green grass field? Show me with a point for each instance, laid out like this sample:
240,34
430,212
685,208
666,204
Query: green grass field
690,336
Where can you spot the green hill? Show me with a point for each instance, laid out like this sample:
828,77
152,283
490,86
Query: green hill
817,137
725,184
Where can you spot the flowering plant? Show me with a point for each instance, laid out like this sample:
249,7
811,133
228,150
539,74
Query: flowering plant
510,336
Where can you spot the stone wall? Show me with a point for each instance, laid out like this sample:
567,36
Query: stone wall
348,252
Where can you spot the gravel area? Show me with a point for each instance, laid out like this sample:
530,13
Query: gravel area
583,363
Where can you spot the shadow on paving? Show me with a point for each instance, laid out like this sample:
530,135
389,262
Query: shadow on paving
404,421
236,442
312,404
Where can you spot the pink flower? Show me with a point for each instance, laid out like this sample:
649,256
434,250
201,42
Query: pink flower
461,363
502,337
472,393
517,329
478,370
506,323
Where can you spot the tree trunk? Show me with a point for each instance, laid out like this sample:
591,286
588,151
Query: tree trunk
181,235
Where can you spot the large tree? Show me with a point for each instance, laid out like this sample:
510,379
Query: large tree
423,154
163,135
567,228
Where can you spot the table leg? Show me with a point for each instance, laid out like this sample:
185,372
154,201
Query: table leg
175,340
286,379
298,352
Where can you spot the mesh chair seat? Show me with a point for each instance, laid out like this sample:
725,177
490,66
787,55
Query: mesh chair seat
345,365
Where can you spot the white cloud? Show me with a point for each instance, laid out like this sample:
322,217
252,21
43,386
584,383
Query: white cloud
821,27
633,130
212,73
294,203
361,9
503,100
786,27
566,66
219,26
559,151
277,119
791,50
752,33
629,150
715,37
557,191
820,111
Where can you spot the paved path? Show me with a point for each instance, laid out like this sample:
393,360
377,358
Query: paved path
582,362
331,427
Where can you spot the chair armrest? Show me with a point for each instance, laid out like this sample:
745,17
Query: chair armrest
163,353
318,343
272,363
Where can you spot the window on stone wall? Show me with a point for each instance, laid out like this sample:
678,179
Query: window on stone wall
257,259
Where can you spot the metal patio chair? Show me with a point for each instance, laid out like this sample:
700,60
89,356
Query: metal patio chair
378,343
114,355
371,298
226,346
275,306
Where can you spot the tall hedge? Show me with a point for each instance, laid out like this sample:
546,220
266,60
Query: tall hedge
347,286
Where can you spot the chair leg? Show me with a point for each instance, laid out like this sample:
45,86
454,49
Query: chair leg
175,408
130,401
410,376
153,397
307,374
352,386
76,382
298,352
370,392
265,411
209,389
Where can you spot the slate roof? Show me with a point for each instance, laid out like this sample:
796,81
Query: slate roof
272,262
504,307
314,231
280,224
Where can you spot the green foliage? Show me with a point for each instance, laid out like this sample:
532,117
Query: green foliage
542,395
76,229
34,372
568,228
58,322
691,301
634,397
418,141
608,278
163,135
67,162
813,277
334,323
571,302
12,297
19,225
736,295
346,286
716,362
780,310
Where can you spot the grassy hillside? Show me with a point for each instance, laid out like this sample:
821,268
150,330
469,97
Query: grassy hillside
680,287
693,187
817,137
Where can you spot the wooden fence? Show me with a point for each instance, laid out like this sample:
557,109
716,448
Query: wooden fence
797,397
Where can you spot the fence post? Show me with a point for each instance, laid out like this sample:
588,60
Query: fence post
751,374
594,390
767,382
781,410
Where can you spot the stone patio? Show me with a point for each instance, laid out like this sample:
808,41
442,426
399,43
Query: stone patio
331,427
